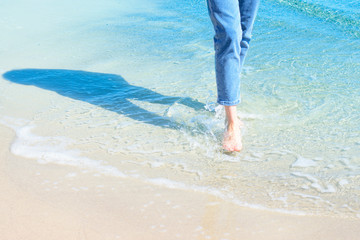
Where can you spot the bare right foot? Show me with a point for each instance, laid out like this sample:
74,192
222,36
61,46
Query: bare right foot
232,137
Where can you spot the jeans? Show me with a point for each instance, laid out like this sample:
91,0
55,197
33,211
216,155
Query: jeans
233,22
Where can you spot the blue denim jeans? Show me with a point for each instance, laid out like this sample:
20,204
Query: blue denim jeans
233,22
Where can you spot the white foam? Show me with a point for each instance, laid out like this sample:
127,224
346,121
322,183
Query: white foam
330,166
156,164
315,183
166,183
13,123
343,182
306,176
307,196
250,116
215,192
328,189
57,150
53,149
304,162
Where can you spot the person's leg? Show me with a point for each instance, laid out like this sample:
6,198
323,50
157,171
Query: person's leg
233,21
248,12
225,16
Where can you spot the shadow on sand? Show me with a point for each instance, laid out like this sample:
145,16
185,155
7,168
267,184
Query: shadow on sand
109,91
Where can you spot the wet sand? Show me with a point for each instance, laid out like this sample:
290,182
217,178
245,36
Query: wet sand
135,210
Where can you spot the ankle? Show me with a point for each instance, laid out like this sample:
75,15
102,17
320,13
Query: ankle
232,125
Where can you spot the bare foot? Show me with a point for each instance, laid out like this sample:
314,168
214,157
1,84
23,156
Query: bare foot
232,137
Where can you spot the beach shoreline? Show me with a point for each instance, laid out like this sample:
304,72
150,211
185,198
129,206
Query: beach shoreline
110,128
139,211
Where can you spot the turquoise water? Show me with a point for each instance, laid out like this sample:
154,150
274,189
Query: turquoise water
142,84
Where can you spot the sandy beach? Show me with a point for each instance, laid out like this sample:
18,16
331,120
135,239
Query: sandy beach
137,211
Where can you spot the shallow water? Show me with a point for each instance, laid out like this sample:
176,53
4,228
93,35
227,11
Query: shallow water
130,92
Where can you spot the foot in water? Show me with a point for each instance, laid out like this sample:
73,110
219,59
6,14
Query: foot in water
232,136
232,141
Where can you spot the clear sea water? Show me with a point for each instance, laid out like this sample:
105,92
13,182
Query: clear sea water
129,91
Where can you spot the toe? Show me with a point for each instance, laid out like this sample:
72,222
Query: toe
228,147
238,148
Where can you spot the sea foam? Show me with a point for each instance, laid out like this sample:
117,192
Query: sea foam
304,162
54,149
